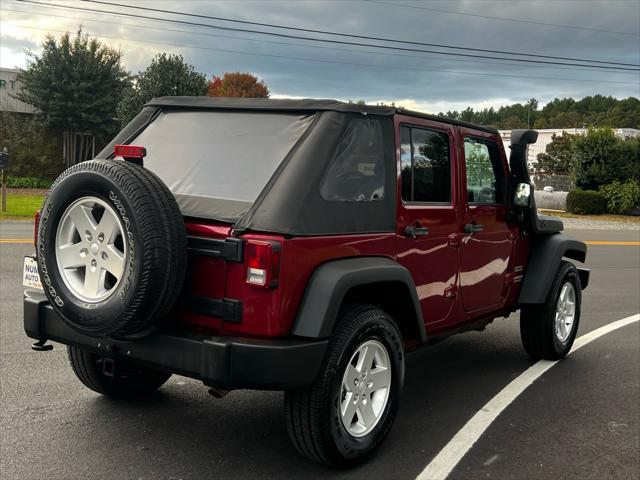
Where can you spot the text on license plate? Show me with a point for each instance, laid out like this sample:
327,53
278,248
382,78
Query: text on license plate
30,276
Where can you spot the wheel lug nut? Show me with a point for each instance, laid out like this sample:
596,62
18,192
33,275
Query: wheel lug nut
104,255
88,235
101,237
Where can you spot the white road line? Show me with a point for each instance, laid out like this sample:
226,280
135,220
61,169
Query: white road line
446,460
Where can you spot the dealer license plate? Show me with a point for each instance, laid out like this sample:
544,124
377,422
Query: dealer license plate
30,275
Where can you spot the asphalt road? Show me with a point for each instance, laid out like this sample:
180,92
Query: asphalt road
581,419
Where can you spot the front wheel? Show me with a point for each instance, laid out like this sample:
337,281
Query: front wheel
549,329
118,378
349,409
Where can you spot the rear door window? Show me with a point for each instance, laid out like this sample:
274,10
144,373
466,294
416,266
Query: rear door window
425,161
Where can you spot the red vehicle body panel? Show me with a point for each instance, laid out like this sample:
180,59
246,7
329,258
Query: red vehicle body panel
272,311
486,256
459,277
439,250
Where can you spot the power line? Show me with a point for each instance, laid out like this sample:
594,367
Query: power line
217,35
338,62
504,19
342,35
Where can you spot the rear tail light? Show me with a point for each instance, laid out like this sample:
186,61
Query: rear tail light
262,263
129,151
36,222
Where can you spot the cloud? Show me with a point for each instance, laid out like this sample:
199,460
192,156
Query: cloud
422,81
17,44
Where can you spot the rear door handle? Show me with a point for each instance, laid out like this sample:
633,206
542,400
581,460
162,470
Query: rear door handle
415,232
472,228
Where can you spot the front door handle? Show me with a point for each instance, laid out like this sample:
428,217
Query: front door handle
415,232
472,228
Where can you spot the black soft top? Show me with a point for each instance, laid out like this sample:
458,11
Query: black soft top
300,105
351,145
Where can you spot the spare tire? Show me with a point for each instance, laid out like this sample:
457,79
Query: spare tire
111,248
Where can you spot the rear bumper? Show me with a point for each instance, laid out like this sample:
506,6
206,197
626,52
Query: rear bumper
220,362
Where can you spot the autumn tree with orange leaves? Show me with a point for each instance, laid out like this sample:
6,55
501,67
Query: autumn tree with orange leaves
237,84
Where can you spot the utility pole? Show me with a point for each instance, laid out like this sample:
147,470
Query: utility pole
4,163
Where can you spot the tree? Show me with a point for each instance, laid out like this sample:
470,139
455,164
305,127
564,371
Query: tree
479,168
167,75
237,84
557,157
75,84
597,111
35,151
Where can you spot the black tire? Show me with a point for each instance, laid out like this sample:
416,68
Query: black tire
156,238
129,380
537,322
313,415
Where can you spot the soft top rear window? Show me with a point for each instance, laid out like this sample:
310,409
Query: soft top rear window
217,163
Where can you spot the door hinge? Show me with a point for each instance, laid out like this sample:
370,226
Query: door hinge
229,249
451,291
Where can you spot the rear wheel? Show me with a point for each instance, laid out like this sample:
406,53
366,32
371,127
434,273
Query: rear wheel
549,329
114,377
348,411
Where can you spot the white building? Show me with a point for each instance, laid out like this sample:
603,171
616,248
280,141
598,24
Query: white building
9,88
545,136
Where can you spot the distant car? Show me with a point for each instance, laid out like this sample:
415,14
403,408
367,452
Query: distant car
298,245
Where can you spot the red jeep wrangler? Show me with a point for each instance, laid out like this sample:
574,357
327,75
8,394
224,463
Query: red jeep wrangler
298,245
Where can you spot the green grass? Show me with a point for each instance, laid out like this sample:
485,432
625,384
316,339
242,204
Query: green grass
21,206
605,217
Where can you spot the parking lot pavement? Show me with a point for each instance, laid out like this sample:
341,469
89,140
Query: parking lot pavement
579,420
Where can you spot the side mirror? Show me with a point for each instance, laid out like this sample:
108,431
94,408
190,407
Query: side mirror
522,197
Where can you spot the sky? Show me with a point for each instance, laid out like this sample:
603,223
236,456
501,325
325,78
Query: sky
295,68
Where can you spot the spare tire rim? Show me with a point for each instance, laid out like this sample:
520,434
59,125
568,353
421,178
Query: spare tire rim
565,312
366,384
90,249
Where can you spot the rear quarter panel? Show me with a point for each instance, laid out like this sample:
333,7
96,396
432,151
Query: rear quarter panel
272,312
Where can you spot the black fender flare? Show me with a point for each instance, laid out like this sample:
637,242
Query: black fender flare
544,260
330,282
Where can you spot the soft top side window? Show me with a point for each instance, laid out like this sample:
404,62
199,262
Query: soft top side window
357,171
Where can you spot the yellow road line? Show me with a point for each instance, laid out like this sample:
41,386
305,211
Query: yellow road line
15,240
603,242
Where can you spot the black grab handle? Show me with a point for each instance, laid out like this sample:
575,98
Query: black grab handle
415,232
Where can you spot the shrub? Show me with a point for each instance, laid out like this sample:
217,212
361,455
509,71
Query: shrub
586,202
28,182
599,158
621,197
